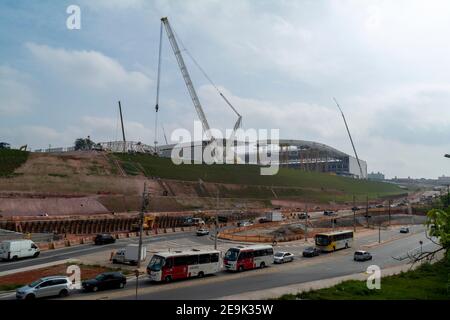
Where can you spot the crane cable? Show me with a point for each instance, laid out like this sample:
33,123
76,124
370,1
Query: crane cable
157,84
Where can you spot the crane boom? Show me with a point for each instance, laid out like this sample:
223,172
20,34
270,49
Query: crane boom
351,140
187,78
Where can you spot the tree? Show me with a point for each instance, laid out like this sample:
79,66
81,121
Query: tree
83,144
438,223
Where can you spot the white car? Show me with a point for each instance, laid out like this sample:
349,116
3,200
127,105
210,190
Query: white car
282,257
202,232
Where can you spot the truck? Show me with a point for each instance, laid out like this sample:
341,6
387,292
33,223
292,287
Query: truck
129,254
274,216
147,224
17,249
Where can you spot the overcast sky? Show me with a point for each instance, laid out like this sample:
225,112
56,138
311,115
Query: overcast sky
279,62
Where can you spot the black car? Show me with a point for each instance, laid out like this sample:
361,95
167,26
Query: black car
104,239
311,252
329,213
303,215
104,281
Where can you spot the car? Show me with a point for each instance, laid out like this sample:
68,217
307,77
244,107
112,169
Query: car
355,209
104,281
303,215
329,213
202,232
379,206
404,230
282,257
46,287
104,238
362,255
311,252
244,223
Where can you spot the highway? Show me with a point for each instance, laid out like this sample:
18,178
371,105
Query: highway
223,284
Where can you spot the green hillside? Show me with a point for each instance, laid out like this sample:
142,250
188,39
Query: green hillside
11,160
250,175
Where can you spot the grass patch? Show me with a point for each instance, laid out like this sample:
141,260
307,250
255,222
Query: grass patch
343,187
9,287
10,160
427,282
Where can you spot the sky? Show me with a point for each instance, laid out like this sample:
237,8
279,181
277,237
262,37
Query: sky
280,63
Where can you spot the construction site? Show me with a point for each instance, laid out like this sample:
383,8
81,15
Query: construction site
70,193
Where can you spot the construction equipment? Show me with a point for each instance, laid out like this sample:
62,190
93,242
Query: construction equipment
351,140
123,129
147,224
190,86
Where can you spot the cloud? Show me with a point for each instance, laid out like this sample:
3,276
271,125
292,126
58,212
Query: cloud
88,69
17,97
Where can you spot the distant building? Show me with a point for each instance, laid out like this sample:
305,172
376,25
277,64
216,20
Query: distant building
376,176
444,180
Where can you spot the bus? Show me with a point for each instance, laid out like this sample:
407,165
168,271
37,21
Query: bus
332,241
242,258
174,265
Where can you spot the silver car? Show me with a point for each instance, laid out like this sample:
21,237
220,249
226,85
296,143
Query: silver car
282,257
361,255
46,287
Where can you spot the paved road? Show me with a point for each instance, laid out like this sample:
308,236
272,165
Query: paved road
302,270
77,251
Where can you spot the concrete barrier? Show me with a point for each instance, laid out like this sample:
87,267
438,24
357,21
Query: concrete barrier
57,244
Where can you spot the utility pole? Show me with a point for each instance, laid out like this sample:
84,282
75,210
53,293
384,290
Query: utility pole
123,129
379,233
390,203
306,224
141,229
448,195
217,222
354,214
367,210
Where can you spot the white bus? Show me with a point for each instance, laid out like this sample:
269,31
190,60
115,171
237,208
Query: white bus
332,241
242,258
174,265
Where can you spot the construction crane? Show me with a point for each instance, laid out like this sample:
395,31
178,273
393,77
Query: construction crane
351,140
190,86
186,77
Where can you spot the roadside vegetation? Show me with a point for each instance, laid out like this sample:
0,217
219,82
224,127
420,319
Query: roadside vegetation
10,160
342,187
427,282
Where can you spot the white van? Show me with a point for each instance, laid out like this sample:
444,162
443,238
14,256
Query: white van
16,249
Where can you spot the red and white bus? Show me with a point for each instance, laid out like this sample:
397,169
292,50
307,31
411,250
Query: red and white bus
242,258
174,265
